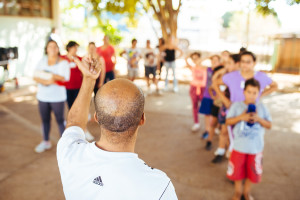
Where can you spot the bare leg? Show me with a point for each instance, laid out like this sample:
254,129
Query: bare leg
207,122
148,82
156,83
212,126
223,137
238,187
247,189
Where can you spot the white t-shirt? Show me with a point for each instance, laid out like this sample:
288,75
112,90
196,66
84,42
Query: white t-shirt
150,57
88,172
53,93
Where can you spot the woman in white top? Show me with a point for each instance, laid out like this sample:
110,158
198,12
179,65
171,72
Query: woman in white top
50,95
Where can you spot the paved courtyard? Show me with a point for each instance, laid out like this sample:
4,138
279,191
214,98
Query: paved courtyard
164,142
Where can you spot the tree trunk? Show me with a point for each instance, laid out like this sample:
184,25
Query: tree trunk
167,17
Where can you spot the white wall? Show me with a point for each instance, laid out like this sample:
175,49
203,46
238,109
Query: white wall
29,35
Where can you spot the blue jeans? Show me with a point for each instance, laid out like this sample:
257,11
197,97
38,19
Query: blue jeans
172,66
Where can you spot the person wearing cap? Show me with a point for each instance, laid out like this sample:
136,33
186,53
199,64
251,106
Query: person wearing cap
108,168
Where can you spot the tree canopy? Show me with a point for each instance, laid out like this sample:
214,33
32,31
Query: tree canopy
165,11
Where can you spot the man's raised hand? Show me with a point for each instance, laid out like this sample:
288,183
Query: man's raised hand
89,67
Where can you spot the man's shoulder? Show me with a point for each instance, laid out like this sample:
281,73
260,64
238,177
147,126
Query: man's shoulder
70,136
145,168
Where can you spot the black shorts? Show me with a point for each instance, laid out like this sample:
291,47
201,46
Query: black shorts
150,70
214,110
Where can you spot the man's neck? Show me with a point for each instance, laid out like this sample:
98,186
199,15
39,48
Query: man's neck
106,145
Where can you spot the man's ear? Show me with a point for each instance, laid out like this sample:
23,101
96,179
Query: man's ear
95,117
143,120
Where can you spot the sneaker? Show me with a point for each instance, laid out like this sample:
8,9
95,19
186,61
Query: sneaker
220,151
217,159
89,136
175,90
43,146
195,127
208,146
204,135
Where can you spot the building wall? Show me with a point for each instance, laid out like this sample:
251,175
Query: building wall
29,34
288,60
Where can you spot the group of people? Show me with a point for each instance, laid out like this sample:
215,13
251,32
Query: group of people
154,60
228,95
59,80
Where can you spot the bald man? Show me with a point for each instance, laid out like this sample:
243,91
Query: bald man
108,169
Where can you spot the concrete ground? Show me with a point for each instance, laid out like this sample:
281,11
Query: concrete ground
165,142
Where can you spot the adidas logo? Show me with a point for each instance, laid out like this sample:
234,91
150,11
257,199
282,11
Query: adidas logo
98,181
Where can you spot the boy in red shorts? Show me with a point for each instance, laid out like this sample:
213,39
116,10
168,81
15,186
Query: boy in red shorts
250,118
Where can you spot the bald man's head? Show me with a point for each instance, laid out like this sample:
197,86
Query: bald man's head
119,106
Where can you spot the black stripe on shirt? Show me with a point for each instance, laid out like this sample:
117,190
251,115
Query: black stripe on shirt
165,190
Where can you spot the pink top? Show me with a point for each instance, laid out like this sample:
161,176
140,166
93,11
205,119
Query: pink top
199,78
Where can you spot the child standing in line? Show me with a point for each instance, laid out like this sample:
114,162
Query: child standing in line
235,81
198,83
212,120
249,129
232,64
207,102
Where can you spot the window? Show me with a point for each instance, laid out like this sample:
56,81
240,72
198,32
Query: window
33,8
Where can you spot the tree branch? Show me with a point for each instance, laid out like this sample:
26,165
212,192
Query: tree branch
180,3
162,11
153,7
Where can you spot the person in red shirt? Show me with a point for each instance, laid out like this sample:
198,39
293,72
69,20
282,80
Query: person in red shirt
107,51
74,84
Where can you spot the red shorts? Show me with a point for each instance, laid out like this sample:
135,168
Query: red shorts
242,166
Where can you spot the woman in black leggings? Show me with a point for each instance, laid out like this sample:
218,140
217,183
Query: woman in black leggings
51,96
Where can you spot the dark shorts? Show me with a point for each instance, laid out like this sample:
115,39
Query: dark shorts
222,115
71,96
214,110
109,76
150,70
206,105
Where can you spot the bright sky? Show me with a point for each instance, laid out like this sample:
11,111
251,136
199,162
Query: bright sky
288,15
